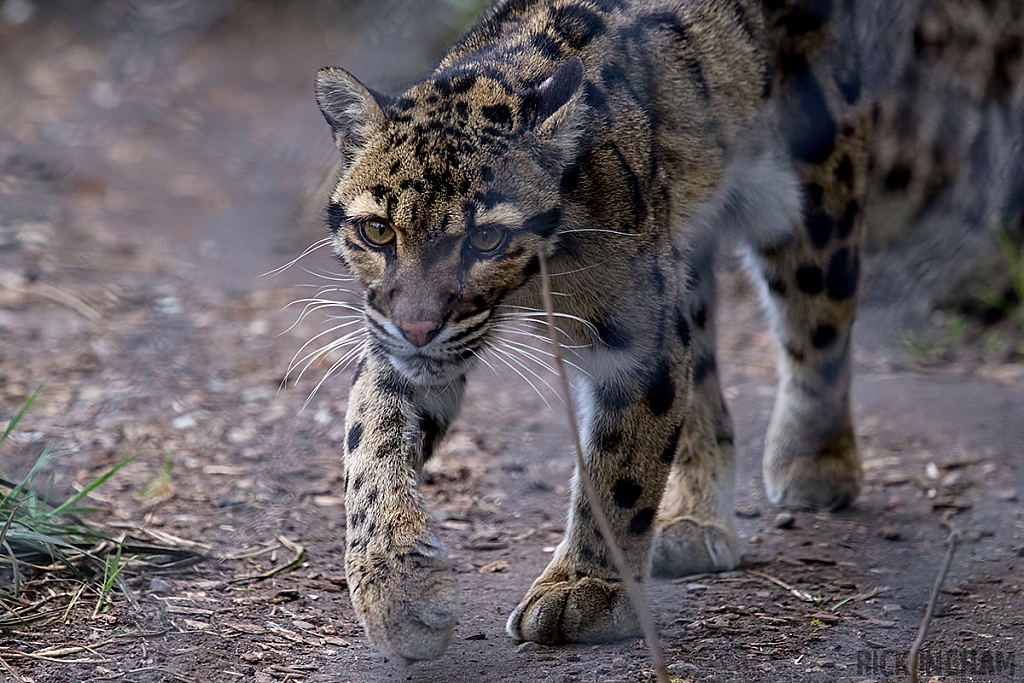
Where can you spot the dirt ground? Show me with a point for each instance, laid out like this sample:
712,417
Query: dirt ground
135,214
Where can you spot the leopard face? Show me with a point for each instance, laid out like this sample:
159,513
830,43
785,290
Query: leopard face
447,195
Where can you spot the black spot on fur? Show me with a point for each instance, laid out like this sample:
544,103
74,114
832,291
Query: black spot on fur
486,174
824,336
544,224
776,286
658,280
845,224
463,83
810,279
662,391
357,483
531,268
395,168
700,318
614,398
814,192
626,492
490,199
546,45
669,454
355,435
404,104
595,97
609,440
576,26
336,217
844,171
641,522
431,434
391,384
613,335
807,17
682,328
820,227
806,121
359,370
795,353
703,366
372,496
843,274
498,114
849,83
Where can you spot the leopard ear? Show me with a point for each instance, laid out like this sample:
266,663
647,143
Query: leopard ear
353,111
556,112
555,102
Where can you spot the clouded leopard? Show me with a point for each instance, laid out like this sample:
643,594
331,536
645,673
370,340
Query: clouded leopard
622,139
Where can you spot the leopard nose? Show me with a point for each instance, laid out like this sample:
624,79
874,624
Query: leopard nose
419,332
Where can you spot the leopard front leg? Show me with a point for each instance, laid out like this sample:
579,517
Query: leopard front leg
401,582
633,427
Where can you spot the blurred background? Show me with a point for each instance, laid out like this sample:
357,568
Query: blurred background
186,129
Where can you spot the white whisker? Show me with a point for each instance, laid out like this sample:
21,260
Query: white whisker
611,232
319,244
309,341
515,359
484,361
526,347
333,277
525,379
342,363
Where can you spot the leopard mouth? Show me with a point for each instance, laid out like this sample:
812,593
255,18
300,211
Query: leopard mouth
453,353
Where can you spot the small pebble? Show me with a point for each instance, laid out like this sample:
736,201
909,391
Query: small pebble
1007,496
186,421
158,585
891,533
747,512
891,608
784,520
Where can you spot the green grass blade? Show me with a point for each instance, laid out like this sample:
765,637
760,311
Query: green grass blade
70,502
17,418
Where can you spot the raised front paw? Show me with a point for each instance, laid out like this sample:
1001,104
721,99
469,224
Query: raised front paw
408,602
684,546
587,610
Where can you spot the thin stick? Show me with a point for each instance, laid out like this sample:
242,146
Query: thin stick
636,595
922,631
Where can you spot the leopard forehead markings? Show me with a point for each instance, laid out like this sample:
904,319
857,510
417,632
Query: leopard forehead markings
622,139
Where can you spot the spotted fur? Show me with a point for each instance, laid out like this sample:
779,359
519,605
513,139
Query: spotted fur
622,139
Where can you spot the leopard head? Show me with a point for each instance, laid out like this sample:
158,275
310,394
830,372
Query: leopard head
446,194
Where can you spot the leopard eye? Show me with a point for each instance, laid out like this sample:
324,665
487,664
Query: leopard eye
376,232
487,238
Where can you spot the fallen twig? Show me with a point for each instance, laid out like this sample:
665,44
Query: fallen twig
636,595
299,551
803,595
859,597
922,631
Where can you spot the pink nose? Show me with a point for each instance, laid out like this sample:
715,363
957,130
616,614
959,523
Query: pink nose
420,332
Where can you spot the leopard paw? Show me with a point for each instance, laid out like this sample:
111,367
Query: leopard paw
585,610
408,603
684,546
827,478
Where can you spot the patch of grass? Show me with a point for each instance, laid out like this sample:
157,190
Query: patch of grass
1011,300
39,536
933,349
